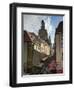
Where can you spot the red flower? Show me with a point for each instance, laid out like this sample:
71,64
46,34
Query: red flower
52,65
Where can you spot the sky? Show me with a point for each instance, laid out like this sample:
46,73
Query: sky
32,23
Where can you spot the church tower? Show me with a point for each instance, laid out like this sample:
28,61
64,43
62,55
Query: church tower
43,32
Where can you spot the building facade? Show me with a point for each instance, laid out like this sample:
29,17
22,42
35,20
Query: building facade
35,50
43,32
59,46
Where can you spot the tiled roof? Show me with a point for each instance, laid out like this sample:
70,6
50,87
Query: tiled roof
32,37
27,37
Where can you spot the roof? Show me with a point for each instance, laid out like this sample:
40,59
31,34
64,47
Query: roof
27,37
60,27
32,37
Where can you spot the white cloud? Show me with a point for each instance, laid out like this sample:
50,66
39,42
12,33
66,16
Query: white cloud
32,23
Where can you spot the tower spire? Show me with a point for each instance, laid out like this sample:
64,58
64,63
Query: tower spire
42,24
43,32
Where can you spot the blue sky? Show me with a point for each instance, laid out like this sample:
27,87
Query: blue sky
32,23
